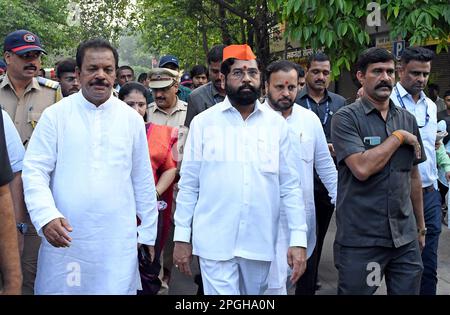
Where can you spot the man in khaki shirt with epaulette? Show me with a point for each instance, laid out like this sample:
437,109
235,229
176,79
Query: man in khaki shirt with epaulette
169,110
24,98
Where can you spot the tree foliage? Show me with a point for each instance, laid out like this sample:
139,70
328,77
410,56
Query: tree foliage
340,26
189,28
46,18
62,25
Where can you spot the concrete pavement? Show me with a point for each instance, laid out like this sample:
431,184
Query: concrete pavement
184,285
328,273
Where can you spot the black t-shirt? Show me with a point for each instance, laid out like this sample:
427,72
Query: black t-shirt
6,174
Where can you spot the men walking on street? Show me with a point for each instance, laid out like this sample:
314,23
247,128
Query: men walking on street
87,175
310,149
408,94
234,232
316,97
24,98
379,210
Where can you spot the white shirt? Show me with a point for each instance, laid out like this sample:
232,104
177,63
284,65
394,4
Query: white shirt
235,177
91,166
16,151
428,169
310,151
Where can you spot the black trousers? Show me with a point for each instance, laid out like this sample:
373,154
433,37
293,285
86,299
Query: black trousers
306,285
361,269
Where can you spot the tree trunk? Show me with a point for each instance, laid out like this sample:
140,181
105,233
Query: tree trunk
226,38
204,39
262,34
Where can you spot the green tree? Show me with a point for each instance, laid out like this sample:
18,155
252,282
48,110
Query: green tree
340,26
188,28
45,18
179,28
62,25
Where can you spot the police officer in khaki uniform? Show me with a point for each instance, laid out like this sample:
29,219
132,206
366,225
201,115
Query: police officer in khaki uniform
24,98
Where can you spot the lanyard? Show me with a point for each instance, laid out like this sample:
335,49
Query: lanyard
327,111
400,100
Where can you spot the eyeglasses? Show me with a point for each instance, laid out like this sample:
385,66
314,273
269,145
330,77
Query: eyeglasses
31,55
138,104
239,73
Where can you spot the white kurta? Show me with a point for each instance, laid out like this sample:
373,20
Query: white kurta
90,165
235,177
16,151
310,148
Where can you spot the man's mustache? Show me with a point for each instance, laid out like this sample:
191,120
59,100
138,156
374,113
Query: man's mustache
384,84
285,99
160,98
100,83
247,86
30,67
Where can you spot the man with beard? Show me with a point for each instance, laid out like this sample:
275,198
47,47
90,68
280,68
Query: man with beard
311,152
87,175
237,175
211,93
24,98
408,94
379,210
316,97
68,82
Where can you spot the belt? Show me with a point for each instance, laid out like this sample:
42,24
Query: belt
428,189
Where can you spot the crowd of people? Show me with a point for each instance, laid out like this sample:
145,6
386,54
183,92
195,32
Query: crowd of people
107,183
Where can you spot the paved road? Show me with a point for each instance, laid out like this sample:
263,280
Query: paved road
183,285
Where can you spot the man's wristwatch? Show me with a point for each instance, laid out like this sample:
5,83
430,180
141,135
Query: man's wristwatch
22,227
422,231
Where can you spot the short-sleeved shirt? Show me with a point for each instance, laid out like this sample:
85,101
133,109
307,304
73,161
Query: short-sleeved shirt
26,110
377,211
6,174
325,109
160,116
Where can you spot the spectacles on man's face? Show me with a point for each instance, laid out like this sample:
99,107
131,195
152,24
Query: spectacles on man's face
30,56
239,73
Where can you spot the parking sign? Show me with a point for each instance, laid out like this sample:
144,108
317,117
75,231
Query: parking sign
398,48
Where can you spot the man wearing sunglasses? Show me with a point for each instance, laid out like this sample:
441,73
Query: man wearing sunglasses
24,98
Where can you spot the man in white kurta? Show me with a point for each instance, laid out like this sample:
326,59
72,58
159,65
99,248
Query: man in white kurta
310,150
237,174
87,168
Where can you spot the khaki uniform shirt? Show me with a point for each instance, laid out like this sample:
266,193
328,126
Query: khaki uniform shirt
26,110
176,119
159,116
